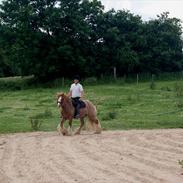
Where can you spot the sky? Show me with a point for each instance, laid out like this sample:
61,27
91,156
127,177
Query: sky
148,9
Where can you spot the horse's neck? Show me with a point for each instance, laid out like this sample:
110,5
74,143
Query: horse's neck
68,107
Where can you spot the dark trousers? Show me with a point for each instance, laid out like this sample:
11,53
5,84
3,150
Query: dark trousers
76,103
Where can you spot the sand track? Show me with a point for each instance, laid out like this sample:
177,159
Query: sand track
145,156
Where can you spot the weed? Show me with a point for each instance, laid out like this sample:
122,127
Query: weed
179,104
178,89
35,124
26,108
47,113
152,85
166,88
109,116
181,163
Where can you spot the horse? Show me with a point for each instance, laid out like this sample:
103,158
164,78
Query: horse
67,113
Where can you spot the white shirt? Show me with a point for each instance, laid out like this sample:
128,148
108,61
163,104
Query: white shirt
76,90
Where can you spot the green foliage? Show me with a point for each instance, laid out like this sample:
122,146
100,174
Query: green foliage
59,38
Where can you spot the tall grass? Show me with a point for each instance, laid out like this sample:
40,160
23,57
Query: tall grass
121,105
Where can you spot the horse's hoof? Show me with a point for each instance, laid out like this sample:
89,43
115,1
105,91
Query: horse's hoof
98,132
77,133
64,132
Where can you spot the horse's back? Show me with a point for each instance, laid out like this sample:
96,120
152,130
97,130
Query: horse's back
90,107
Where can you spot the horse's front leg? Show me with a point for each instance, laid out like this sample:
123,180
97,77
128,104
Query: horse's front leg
70,127
81,126
63,130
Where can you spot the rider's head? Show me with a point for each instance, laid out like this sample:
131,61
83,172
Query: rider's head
76,79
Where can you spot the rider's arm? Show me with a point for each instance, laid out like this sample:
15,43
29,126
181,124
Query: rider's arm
82,91
82,94
69,94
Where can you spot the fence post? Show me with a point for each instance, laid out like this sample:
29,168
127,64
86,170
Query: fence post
152,85
137,79
114,70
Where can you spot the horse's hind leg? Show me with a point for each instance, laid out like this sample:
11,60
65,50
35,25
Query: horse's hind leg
98,126
81,126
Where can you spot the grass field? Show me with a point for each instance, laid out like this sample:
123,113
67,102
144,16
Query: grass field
120,106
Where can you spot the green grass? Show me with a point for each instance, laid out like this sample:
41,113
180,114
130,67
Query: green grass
120,106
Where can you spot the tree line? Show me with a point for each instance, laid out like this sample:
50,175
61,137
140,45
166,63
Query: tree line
56,38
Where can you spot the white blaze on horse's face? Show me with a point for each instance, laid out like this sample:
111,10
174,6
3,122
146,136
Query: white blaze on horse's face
59,101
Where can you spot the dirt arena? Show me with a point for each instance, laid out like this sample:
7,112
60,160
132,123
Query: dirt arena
145,156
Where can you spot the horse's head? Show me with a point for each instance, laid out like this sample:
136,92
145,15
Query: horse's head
60,98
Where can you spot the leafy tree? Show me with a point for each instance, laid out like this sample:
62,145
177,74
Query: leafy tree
54,38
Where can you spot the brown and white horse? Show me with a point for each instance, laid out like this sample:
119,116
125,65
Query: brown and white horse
67,112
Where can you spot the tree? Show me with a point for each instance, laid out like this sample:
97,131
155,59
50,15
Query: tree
55,38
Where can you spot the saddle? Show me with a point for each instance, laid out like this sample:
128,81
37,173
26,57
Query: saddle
80,102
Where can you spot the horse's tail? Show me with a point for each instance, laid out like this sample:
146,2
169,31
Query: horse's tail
94,122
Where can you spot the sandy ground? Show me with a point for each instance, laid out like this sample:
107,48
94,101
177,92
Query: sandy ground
114,156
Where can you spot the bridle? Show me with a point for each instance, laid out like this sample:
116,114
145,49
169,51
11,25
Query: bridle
59,101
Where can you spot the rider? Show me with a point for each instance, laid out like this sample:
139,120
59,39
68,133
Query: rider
76,92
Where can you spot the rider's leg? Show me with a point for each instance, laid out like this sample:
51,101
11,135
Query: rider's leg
78,109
